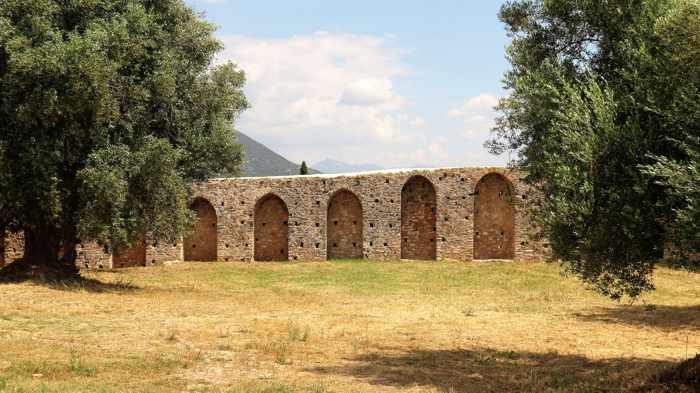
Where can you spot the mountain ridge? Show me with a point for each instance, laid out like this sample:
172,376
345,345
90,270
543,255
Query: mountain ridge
260,160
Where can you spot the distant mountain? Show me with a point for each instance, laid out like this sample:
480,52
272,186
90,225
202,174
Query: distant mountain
261,161
334,166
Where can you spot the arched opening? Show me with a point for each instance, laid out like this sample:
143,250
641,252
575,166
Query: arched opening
344,226
200,244
132,256
418,206
494,218
271,229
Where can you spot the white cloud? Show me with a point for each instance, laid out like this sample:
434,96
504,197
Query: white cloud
427,151
481,103
328,87
417,122
334,95
477,113
368,92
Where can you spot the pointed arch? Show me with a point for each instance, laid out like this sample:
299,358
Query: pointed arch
271,218
344,226
201,243
494,218
418,219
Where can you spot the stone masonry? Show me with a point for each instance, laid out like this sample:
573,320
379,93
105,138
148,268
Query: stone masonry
438,204
200,244
418,219
344,225
442,214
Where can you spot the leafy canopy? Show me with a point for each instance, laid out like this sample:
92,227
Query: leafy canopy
107,110
604,114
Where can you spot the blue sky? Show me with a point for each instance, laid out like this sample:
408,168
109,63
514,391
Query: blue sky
395,83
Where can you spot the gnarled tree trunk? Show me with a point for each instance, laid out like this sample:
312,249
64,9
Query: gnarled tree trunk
48,255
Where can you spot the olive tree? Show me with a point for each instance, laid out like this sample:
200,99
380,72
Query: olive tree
108,109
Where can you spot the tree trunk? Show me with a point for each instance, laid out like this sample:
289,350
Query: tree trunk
2,247
40,246
41,253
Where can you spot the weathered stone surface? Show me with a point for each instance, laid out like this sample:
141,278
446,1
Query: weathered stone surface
200,244
12,248
391,208
380,194
93,256
494,218
344,223
130,257
418,219
271,220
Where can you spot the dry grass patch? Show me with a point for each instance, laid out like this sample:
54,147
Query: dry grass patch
347,326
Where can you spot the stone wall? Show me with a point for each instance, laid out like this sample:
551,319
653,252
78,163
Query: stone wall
12,247
200,244
494,218
443,214
418,219
130,257
307,202
94,256
344,225
271,222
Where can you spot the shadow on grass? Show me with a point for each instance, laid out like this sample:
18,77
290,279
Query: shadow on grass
93,286
684,266
69,280
488,370
80,284
669,318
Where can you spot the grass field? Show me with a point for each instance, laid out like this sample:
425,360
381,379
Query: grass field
346,326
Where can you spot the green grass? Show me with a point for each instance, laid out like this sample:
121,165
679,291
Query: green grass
341,326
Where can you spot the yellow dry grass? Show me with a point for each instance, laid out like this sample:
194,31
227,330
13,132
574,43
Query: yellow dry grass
347,326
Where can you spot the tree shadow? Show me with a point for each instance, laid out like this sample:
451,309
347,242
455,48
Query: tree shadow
667,318
80,284
20,271
93,285
692,266
488,370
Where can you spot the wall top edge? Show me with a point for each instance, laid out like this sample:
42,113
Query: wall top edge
365,173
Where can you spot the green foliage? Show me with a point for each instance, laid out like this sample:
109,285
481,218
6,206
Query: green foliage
604,101
681,179
125,192
109,108
304,170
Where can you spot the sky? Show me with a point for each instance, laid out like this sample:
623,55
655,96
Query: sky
395,83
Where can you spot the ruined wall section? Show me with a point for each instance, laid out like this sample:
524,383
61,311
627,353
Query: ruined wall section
13,247
130,257
93,256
